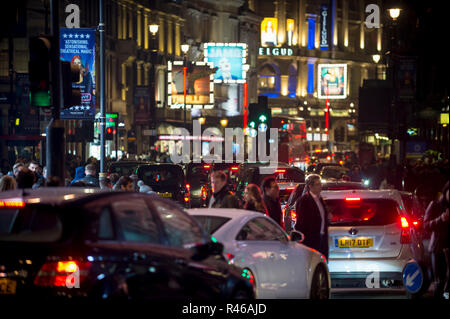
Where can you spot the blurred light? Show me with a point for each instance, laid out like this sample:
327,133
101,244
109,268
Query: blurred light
185,48
376,58
394,13
224,122
153,28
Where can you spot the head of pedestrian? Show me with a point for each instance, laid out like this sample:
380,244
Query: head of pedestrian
33,166
125,183
313,184
218,181
252,193
90,169
270,187
17,168
25,178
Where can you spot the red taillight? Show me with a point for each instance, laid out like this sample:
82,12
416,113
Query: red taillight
62,274
188,186
11,204
290,188
204,193
353,199
329,158
405,237
293,214
235,168
206,166
280,171
341,162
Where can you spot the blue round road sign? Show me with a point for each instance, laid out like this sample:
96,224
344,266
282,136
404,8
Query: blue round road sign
412,277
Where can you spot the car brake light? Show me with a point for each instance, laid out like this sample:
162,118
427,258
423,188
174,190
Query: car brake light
206,166
352,199
290,188
293,214
280,171
188,186
235,168
341,162
329,158
405,237
11,204
62,274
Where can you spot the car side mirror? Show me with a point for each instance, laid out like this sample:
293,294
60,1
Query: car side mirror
297,236
209,249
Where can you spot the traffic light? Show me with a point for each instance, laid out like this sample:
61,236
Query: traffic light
71,73
39,71
264,114
109,133
252,115
111,125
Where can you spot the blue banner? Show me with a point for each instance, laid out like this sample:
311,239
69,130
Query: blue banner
77,46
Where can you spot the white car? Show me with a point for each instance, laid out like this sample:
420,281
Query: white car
280,266
369,238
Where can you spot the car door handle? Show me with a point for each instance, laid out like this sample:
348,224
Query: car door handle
180,261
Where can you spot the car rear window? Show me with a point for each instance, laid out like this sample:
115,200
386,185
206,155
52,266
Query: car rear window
211,223
363,212
30,224
286,175
123,170
333,172
161,175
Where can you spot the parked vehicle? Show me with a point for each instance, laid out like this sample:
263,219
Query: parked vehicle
125,168
90,243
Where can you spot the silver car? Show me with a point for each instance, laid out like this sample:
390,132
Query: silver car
369,238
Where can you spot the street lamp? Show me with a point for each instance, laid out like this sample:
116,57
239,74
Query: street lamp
185,49
153,28
394,13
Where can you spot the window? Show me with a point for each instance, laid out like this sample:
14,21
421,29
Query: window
211,223
181,230
105,227
136,221
261,229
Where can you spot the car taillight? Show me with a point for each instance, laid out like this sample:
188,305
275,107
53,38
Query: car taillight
62,274
353,199
206,166
293,214
405,237
280,171
11,204
235,168
204,193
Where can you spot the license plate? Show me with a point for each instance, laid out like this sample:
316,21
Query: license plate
165,194
354,242
7,286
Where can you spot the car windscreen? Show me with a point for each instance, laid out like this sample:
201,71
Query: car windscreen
123,170
211,223
161,175
30,224
362,212
335,172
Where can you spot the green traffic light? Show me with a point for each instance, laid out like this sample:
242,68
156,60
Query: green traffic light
263,118
252,124
40,98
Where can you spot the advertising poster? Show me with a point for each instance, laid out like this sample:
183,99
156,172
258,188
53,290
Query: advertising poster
141,102
229,59
269,30
332,81
199,85
77,46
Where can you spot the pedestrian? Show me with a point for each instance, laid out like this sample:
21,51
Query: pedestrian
17,168
79,174
25,178
222,196
437,221
7,183
355,174
312,216
124,183
114,177
90,179
271,197
253,199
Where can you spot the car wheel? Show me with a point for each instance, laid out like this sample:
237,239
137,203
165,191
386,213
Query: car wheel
319,284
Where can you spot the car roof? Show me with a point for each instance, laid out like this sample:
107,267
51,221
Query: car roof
362,193
232,213
51,195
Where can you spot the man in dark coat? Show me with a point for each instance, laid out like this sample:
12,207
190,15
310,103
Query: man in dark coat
90,179
222,197
271,197
312,216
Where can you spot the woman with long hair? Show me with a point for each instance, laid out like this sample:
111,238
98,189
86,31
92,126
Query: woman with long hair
7,183
253,199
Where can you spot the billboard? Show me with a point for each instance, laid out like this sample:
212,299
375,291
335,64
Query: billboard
230,59
199,83
269,30
77,46
290,31
332,82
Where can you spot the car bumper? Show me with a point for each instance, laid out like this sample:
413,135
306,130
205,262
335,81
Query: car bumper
359,273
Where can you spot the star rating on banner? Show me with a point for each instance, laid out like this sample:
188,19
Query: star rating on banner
76,36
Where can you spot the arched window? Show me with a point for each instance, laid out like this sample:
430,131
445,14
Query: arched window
269,81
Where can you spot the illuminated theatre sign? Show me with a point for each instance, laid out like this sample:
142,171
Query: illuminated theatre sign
230,59
276,51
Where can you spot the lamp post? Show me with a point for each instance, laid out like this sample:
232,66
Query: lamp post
153,28
185,49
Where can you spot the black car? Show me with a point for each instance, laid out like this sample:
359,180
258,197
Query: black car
125,168
254,173
167,180
198,178
289,209
97,244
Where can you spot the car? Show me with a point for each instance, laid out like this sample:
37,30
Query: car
316,168
198,177
125,168
254,173
279,265
99,244
332,173
369,238
289,214
167,180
